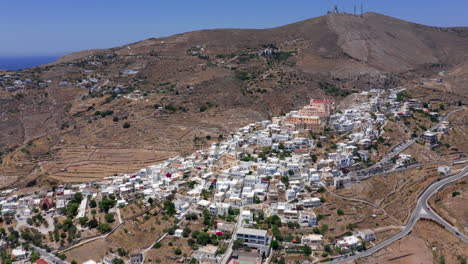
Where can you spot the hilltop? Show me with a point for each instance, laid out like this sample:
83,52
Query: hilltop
117,110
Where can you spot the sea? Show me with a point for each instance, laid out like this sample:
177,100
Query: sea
24,62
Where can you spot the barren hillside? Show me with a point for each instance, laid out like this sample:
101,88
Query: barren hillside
120,109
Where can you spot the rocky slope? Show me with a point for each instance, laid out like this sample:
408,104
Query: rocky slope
179,93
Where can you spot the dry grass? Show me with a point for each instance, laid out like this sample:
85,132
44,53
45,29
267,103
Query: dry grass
453,209
356,213
457,137
165,254
95,250
131,210
140,233
395,192
132,236
426,244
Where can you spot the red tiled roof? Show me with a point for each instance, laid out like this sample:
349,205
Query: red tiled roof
41,261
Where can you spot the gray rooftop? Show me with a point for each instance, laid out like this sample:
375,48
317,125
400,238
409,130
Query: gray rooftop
251,231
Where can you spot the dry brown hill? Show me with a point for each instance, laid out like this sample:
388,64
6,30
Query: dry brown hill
208,83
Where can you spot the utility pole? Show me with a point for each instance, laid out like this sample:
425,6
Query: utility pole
362,9
354,9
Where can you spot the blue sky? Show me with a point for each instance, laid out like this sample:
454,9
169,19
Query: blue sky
56,27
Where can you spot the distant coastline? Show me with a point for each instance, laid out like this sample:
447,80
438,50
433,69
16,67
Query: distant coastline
24,62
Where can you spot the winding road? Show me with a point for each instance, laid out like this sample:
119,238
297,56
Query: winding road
422,210
400,147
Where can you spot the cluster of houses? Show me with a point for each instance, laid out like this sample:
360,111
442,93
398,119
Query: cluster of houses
15,82
264,166
52,202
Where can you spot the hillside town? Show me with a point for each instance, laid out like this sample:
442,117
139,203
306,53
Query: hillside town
248,187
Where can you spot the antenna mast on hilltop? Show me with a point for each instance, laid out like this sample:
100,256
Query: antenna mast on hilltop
354,9
362,9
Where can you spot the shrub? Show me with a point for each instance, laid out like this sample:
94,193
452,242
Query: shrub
104,228
126,125
157,245
109,218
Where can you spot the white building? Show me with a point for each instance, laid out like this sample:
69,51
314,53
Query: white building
307,218
349,243
445,170
312,240
366,235
254,238
206,254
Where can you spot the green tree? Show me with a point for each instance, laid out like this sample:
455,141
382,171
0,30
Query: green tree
177,251
340,212
107,204
274,220
314,158
169,207
275,245
34,256
83,220
191,242
77,198
186,232
92,204
316,230
72,209
285,180
104,228
442,260
109,218
121,252
237,244
203,238
157,245
307,250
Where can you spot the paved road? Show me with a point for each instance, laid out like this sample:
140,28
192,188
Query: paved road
400,147
409,167
51,258
228,252
446,117
421,211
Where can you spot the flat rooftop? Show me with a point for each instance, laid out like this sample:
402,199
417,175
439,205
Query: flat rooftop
251,231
